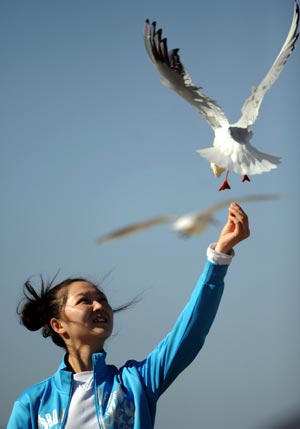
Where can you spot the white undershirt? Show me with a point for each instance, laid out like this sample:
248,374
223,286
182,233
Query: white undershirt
82,412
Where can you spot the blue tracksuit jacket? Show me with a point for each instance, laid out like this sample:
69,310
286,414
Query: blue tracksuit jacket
126,397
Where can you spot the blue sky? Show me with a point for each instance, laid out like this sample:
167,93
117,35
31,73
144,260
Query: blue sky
91,141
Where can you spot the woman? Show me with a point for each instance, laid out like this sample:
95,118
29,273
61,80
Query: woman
85,392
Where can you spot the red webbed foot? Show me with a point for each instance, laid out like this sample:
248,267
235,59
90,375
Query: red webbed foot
245,178
225,185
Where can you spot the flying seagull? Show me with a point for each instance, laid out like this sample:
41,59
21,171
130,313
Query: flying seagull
231,148
188,224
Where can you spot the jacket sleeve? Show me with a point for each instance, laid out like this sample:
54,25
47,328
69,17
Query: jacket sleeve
20,417
179,348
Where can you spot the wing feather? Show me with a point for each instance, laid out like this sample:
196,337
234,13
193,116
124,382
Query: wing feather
136,227
175,76
247,198
252,104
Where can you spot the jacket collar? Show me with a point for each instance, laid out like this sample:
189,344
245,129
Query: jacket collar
63,377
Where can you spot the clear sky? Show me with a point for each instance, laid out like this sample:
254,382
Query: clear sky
91,141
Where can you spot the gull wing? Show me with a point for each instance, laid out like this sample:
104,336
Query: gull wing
243,199
136,227
252,104
196,223
175,77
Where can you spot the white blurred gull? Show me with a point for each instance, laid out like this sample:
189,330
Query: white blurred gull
231,148
188,224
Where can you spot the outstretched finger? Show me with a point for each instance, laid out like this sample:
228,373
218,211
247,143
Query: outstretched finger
236,211
240,219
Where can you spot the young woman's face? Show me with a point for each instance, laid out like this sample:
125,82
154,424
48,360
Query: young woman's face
87,317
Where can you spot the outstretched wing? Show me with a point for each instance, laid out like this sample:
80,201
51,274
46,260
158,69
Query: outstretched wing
252,104
175,76
136,227
196,223
247,198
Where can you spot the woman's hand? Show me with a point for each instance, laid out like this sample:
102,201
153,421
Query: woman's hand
235,230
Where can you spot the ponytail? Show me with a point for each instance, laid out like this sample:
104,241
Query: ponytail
37,309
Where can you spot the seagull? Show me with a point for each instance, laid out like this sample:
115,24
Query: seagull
188,224
231,150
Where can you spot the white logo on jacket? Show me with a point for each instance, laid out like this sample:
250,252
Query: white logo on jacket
48,421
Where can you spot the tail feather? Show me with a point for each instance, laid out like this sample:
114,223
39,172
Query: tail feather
245,160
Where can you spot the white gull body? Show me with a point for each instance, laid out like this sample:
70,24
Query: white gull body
231,148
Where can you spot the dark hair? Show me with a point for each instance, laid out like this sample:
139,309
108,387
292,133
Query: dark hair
37,309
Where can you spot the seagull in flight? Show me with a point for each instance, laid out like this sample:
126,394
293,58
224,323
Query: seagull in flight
188,224
231,150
